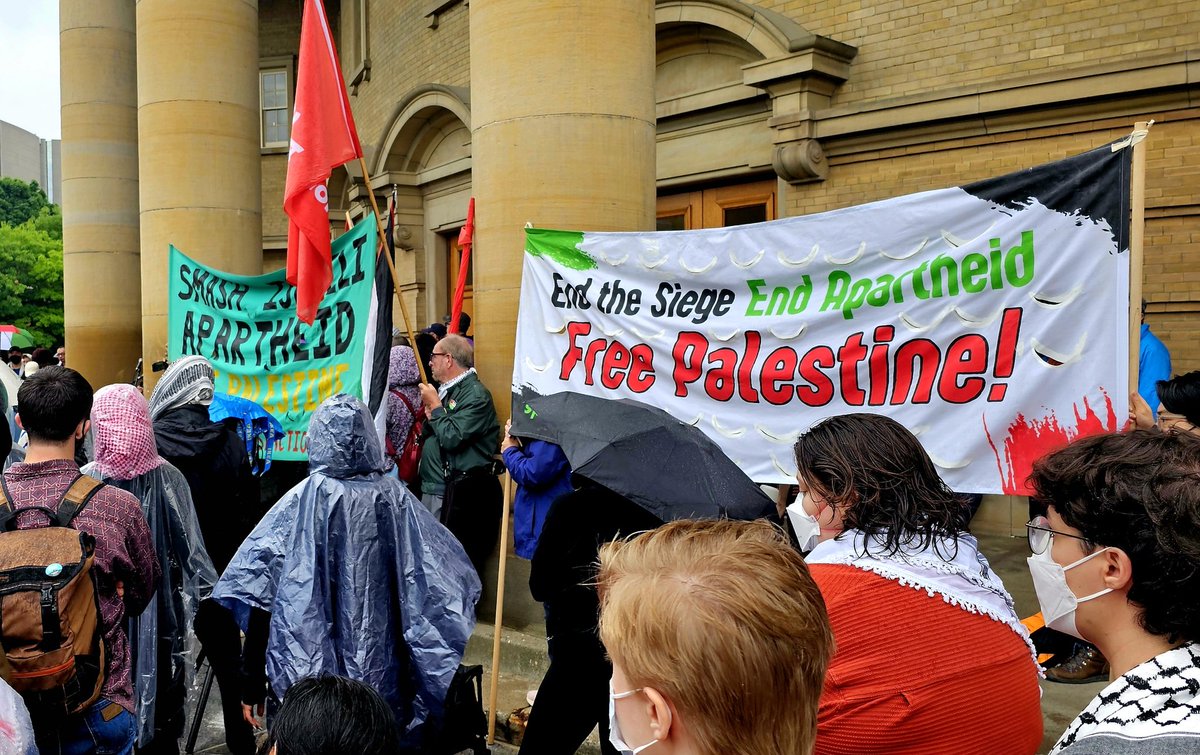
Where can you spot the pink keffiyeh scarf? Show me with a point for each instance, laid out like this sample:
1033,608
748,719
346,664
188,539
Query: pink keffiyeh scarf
123,437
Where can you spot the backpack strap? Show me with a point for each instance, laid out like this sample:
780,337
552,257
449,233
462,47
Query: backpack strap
78,495
407,403
7,512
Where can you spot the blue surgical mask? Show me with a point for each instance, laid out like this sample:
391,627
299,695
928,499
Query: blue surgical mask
614,729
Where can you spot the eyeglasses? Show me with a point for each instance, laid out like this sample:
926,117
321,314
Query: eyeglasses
1041,535
437,354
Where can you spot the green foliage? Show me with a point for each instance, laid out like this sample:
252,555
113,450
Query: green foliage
20,201
48,221
31,276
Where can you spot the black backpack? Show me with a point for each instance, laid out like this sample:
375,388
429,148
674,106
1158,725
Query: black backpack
464,724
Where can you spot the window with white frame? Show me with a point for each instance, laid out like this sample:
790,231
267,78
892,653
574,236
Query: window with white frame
274,93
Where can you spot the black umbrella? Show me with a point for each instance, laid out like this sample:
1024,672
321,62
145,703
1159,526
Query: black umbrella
668,467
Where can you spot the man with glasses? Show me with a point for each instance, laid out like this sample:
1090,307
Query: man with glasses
1117,562
459,444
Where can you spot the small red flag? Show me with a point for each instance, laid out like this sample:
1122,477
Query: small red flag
323,137
465,240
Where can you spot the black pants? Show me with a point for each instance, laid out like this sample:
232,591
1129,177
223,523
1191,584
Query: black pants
222,642
472,512
572,699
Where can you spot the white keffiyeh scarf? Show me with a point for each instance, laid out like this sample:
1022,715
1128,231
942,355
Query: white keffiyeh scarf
955,570
1160,697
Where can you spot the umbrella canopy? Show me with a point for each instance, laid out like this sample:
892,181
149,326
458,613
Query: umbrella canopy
668,467
11,335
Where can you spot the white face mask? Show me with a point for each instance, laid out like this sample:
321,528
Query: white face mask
614,729
1054,596
804,524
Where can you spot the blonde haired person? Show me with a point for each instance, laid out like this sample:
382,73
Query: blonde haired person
719,641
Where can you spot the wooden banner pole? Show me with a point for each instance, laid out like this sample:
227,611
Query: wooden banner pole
384,252
1137,221
495,681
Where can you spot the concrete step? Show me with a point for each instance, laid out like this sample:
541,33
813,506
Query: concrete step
523,663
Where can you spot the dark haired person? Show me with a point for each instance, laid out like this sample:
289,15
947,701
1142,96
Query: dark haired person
54,406
907,589
1178,406
332,715
1117,562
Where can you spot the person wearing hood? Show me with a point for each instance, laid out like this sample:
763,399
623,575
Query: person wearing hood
358,577
212,458
126,457
404,400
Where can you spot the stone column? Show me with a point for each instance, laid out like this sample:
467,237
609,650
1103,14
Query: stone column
198,137
562,136
101,277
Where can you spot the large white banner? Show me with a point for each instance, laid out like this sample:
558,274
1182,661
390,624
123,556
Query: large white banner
990,319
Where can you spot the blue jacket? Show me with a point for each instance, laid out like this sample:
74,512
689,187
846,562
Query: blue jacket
542,473
1154,364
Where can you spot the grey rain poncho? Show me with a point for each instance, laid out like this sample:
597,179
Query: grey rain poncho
126,458
359,578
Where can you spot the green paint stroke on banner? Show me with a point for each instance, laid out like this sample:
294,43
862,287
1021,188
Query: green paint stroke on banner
247,327
562,247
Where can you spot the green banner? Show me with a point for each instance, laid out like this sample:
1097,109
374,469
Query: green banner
247,327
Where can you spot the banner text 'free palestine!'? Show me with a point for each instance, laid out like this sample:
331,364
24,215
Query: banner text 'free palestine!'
989,319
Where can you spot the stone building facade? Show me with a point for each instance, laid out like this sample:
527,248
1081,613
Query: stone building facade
613,115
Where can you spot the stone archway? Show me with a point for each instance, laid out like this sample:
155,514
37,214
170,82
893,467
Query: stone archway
736,87
425,159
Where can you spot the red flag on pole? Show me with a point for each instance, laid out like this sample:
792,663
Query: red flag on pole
465,240
323,137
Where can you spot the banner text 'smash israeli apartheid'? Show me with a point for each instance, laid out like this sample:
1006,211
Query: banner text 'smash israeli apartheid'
247,327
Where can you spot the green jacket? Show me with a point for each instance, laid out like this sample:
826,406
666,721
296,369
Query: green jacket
464,429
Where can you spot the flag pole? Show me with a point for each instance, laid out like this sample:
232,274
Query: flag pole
1137,222
392,267
495,681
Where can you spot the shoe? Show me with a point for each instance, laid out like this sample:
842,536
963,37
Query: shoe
1085,665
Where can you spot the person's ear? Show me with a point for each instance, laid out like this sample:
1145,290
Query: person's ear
81,430
20,424
1118,570
660,715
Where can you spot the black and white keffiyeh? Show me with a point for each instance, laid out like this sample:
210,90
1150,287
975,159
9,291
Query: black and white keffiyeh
1160,697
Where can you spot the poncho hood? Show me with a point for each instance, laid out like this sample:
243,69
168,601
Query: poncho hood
342,440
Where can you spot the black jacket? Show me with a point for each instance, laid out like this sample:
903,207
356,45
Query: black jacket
562,571
212,456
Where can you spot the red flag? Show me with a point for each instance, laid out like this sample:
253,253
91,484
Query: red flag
465,240
323,137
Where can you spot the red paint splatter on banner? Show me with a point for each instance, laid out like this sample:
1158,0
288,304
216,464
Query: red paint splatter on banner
1030,439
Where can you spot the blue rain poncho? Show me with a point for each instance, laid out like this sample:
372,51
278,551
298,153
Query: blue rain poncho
359,578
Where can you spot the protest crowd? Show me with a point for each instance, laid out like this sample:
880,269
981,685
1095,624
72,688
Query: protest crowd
337,615
300,514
